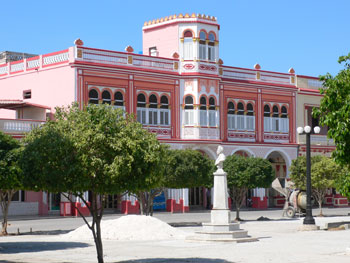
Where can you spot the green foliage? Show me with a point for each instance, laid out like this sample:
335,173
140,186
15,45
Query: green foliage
244,173
324,174
10,173
94,149
188,168
248,172
334,110
91,149
298,170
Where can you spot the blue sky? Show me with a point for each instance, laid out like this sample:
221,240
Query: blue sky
307,35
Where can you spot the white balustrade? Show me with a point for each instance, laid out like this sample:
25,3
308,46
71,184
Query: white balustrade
3,69
315,83
275,78
274,124
18,125
35,63
149,62
240,122
100,56
17,67
239,74
56,58
250,74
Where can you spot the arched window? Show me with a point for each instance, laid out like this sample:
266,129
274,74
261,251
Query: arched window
240,117
203,102
153,103
203,119
153,112
250,111
141,108
118,99
164,111
240,108
141,100
202,45
188,45
230,108
275,112
284,113
250,119
212,112
284,120
267,118
189,114
189,103
231,120
164,102
211,47
275,121
93,96
188,33
211,37
267,112
106,97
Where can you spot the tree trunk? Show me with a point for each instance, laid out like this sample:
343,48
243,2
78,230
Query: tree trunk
96,228
237,212
320,206
5,199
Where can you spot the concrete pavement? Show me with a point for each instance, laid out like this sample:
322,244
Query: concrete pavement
279,241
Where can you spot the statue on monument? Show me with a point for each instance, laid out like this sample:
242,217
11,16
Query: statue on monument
221,157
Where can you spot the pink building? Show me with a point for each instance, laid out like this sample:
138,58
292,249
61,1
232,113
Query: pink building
179,89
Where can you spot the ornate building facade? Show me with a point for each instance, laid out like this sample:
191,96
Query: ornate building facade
179,89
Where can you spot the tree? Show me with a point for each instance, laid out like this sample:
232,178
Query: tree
324,175
244,173
10,174
188,168
93,149
154,185
177,169
334,111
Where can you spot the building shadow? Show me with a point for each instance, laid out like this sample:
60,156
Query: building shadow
27,247
177,260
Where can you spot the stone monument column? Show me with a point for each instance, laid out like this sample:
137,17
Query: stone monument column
220,227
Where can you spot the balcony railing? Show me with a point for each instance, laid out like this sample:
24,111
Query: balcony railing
41,61
92,55
258,75
18,126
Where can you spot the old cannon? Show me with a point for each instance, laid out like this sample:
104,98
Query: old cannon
295,202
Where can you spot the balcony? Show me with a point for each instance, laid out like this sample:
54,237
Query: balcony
18,126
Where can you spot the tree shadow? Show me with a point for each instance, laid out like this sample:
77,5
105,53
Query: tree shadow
48,232
177,260
27,247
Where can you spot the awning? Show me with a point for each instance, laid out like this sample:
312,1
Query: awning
16,104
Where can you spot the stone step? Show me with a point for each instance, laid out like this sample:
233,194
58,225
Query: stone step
209,227
200,236
223,235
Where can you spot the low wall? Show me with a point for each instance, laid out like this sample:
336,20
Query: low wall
23,208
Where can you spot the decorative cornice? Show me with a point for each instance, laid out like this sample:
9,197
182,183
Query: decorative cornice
180,17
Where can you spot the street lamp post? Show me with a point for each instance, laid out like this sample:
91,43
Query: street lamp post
308,220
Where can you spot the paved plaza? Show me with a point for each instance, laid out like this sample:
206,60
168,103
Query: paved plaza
279,241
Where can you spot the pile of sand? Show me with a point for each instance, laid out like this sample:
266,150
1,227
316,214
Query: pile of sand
131,227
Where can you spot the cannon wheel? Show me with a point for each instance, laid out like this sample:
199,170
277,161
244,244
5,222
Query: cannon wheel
290,212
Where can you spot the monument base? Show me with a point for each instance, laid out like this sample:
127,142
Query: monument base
221,229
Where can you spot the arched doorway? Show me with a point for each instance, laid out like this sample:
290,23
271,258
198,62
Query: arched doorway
279,165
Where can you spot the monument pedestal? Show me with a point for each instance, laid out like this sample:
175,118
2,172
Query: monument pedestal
220,227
